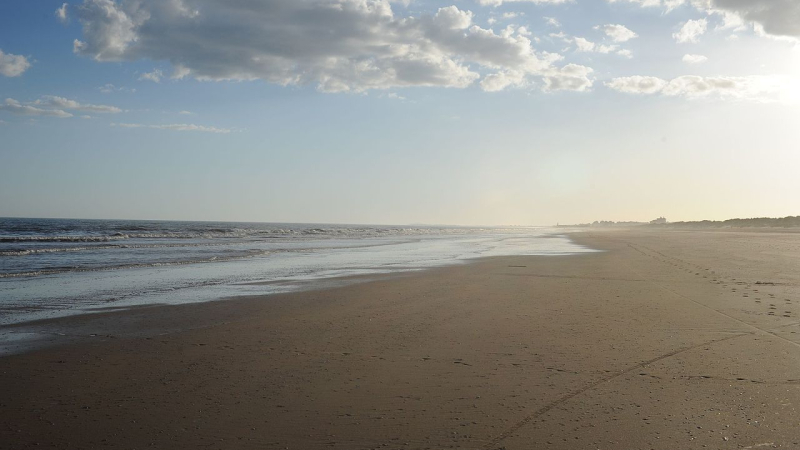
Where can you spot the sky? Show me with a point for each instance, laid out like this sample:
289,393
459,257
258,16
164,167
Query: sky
471,112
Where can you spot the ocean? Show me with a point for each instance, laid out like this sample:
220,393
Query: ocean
59,267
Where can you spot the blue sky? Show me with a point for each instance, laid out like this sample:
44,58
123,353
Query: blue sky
362,111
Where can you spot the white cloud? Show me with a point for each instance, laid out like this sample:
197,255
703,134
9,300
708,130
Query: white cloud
584,45
55,102
13,65
691,31
452,18
751,88
109,30
53,106
180,72
61,14
15,107
154,76
337,45
572,77
625,53
552,21
176,127
694,59
667,5
538,2
109,88
617,33
730,21
637,85
696,86
646,3
501,80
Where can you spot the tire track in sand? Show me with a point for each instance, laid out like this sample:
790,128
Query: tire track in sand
492,444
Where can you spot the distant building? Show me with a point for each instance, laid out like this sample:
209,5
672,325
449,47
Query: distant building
658,221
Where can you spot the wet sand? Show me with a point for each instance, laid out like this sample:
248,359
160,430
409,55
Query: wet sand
667,340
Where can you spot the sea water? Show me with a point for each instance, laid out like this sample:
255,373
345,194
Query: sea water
57,267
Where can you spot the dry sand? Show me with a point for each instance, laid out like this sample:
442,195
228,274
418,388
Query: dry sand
668,340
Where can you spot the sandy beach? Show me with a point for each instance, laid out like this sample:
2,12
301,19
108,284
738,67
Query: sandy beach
666,340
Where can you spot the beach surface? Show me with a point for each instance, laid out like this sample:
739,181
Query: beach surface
665,340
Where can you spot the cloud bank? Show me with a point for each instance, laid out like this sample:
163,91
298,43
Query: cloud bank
15,107
538,2
176,127
337,45
772,17
53,106
776,17
752,88
52,101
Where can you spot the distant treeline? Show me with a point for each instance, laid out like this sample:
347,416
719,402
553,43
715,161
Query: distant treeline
759,222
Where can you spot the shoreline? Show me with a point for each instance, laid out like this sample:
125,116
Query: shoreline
278,265
96,324
158,319
662,341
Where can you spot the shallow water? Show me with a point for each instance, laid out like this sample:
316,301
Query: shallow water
54,267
